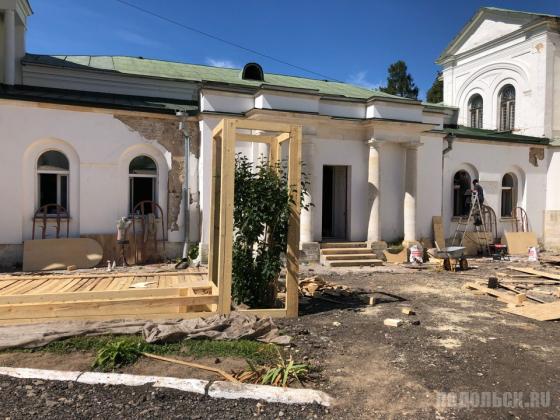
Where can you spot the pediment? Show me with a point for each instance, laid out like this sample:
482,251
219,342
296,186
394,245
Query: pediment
485,26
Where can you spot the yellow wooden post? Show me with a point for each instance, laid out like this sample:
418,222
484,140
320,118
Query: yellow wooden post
225,248
294,181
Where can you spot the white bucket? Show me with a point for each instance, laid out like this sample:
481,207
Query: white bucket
416,254
533,254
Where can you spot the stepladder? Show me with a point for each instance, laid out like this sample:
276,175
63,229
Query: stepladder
479,231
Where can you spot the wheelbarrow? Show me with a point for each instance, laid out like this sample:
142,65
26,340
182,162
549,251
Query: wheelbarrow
453,257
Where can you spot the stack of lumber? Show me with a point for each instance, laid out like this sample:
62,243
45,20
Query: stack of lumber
519,292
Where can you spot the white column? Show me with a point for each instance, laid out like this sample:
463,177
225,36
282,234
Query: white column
373,191
9,47
410,191
306,217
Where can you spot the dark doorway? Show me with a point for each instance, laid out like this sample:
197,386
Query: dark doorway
335,201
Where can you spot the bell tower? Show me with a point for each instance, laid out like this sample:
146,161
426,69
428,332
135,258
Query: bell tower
13,24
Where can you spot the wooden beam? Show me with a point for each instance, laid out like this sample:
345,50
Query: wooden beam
225,248
294,181
216,132
273,152
254,138
216,182
534,272
272,313
283,137
116,307
263,125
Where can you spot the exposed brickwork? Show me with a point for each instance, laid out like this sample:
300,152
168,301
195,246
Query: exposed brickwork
166,132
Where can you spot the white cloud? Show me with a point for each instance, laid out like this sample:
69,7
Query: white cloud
221,63
360,79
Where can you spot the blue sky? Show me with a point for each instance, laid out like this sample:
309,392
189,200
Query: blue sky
347,40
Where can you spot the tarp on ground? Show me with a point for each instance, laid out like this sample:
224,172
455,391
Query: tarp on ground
234,326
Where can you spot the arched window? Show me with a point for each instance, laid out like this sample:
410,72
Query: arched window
509,194
252,71
143,181
461,193
507,108
475,111
53,170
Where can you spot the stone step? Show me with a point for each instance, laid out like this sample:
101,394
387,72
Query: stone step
330,251
354,263
334,257
325,245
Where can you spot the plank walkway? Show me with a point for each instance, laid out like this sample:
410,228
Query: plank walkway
106,295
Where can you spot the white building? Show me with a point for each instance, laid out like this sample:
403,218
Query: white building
114,130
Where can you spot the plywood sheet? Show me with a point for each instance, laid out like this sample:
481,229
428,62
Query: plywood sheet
439,233
539,312
519,242
57,254
474,242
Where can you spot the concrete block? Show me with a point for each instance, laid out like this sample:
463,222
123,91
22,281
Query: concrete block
310,251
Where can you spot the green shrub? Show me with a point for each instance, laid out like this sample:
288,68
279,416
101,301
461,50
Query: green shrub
262,203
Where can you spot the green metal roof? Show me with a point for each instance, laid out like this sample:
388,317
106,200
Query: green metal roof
494,135
97,99
198,73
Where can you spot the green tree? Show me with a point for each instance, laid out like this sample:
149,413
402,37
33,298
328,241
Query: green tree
435,93
261,211
400,82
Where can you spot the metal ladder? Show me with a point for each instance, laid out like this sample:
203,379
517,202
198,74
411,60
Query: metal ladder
475,215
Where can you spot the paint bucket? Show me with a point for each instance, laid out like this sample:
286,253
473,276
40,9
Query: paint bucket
533,254
416,254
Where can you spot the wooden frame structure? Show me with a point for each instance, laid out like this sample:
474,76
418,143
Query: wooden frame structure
224,138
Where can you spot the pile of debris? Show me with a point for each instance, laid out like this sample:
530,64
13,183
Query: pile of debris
317,287
534,294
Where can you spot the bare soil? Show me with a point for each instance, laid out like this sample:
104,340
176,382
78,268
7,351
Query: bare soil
457,341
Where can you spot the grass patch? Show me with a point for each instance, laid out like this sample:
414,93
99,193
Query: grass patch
254,351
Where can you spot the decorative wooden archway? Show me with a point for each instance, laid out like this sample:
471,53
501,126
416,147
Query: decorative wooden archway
224,138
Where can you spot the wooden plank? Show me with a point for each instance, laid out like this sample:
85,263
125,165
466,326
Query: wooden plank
539,312
95,275
292,255
261,125
439,233
163,315
534,272
213,240
218,129
272,313
274,152
283,137
518,243
137,306
57,254
225,248
501,296
93,296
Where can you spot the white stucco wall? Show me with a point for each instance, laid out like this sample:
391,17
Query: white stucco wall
489,162
99,148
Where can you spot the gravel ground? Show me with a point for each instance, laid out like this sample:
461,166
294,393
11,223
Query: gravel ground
23,399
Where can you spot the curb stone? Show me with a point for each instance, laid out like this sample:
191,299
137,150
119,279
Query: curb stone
217,389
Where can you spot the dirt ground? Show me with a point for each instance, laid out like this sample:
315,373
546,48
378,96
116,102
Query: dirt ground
462,343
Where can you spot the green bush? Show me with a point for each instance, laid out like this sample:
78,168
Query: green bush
262,202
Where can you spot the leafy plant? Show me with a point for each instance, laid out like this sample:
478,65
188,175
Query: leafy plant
262,202
283,373
193,252
116,354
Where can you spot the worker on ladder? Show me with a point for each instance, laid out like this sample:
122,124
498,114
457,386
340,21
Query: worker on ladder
479,191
